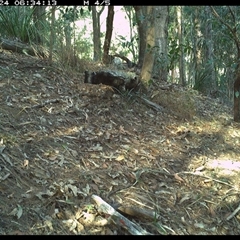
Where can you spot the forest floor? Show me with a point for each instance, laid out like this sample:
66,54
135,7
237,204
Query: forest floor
174,170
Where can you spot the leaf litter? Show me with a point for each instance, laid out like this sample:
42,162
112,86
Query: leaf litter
161,167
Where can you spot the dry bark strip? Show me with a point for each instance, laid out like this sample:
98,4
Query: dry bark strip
118,218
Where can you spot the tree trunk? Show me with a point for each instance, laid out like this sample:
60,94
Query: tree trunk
197,50
96,33
147,68
142,20
52,36
160,70
68,34
236,108
209,83
108,36
39,19
130,13
181,44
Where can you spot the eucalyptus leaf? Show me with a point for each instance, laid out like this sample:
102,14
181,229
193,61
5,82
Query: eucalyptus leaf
237,94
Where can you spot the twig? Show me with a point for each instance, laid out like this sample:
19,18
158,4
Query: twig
234,212
213,179
45,103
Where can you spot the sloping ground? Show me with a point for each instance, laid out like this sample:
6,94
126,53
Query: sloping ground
174,171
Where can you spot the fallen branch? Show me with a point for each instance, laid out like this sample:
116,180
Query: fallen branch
118,218
129,63
155,106
19,47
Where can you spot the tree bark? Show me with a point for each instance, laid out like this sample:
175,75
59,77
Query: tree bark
209,84
142,20
160,70
149,56
68,38
181,43
96,33
236,108
39,19
52,36
197,50
130,12
108,36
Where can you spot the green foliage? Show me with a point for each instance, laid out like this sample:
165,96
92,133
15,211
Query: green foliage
70,36
123,45
73,13
204,36
129,98
126,46
17,22
237,94
173,53
200,79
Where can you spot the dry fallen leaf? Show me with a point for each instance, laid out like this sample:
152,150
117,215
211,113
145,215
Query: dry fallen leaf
96,179
178,178
100,221
108,135
53,157
120,158
48,223
25,163
74,152
184,198
73,188
200,225
18,211
212,211
95,187
86,189
108,231
6,158
121,128
98,147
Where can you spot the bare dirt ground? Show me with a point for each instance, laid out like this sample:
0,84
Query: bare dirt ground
170,171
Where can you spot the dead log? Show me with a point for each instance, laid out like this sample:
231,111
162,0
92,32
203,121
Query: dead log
19,47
